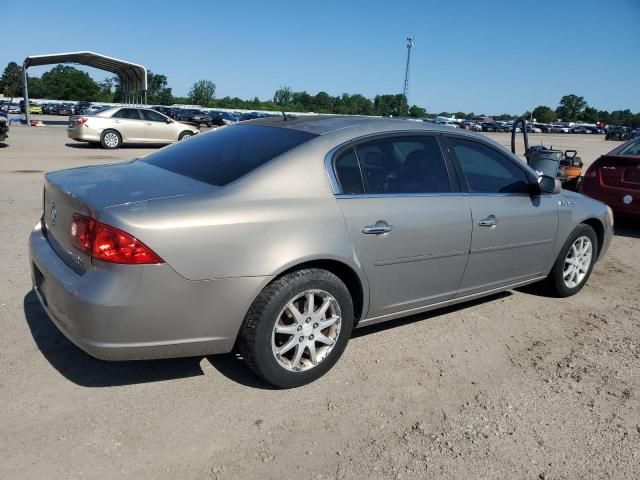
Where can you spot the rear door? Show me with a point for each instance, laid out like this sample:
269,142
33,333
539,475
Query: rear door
156,127
409,224
514,232
129,123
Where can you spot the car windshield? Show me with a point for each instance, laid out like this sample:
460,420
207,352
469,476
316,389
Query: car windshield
633,148
224,155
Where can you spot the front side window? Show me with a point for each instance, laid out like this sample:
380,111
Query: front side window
128,113
412,164
486,170
152,116
224,155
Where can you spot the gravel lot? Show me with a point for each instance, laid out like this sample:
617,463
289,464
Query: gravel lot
513,386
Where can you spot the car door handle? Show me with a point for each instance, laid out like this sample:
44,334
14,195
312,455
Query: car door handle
378,229
490,221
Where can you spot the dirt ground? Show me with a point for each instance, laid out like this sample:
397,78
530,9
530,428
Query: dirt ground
515,386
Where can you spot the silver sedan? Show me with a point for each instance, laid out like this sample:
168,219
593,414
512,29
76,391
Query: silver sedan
115,126
279,236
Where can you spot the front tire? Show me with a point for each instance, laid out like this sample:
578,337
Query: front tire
184,135
574,264
110,140
297,328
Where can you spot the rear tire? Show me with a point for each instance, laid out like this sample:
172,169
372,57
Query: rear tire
110,140
292,312
574,264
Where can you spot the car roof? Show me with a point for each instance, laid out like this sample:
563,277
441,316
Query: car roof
326,124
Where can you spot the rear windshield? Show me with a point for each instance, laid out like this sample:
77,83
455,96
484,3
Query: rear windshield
226,154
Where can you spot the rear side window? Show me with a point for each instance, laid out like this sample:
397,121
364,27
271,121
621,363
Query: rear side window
348,173
488,171
412,164
128,113
632,148
152,116
226,154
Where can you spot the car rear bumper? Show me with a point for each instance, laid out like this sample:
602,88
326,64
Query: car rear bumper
133,312
82,133
625,201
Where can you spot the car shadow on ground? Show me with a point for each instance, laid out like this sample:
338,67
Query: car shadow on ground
84,370
381,327
627,227
91,146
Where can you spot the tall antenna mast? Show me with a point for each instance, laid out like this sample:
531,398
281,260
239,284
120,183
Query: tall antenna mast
405,91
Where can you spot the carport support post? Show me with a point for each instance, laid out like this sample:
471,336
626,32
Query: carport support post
25,94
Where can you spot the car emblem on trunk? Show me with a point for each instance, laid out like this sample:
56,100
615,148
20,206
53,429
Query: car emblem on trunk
54,212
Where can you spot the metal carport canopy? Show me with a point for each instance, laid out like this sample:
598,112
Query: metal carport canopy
133,77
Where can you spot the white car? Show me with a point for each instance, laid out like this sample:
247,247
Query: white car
115,126
559,129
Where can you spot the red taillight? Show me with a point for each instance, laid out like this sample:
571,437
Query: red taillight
81,233
109,244
80,121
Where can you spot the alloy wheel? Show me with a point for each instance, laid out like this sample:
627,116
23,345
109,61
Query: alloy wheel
111,140
306,330
577,262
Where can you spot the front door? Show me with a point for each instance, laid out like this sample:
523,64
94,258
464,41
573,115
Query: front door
514,232
410,229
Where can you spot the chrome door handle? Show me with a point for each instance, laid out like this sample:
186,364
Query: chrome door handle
378,229
490,221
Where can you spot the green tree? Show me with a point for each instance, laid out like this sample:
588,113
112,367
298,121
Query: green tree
322,103
417,112
64,82
544,114
589,115
11,80
202,92
283,97
106,86
386,105
158,93
302,100
570,107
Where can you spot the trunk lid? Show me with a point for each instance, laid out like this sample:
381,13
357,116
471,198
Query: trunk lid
88,190
620,171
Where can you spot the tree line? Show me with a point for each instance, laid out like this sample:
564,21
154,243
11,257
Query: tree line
64,82
573,108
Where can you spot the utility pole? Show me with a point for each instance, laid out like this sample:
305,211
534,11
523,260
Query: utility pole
405,91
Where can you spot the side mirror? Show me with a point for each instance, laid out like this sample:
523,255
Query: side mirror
168,120
548,184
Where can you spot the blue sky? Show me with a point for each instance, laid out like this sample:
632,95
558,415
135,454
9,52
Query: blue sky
483,56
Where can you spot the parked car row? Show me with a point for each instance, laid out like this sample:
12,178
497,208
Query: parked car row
533,127
208,118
